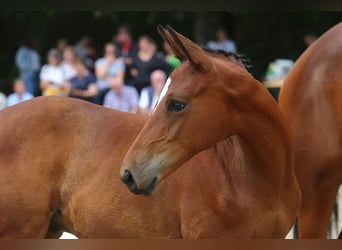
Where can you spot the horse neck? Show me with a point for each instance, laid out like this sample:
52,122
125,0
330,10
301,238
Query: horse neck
261,143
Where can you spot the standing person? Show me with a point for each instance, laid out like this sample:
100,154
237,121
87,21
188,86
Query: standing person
109,64
126,48
150,95
82,45
222,42
27,59
124,43
83,85
20,94
121,97
145,62
52,78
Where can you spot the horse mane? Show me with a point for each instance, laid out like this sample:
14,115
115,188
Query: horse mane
237,59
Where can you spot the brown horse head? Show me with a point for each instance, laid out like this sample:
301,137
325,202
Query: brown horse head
200,108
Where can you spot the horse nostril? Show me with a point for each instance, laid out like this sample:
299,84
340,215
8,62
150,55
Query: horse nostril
127,178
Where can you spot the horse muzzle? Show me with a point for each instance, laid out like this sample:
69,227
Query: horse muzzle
131,184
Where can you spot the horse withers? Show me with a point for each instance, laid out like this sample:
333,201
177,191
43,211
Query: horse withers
240,181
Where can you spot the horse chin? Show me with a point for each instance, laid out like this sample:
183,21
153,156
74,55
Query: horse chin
146,191
151,188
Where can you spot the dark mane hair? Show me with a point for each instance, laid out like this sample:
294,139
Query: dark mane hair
230,55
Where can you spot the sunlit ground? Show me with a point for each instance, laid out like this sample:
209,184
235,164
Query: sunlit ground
68,236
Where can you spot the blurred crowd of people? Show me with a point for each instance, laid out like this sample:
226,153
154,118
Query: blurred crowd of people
129,75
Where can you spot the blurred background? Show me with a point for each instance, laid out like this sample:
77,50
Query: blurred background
261,36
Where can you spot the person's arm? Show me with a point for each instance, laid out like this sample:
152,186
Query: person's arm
21,60
67,87
106,101
143,102
10,100
161,64
101,68
89,92
134,100
44,83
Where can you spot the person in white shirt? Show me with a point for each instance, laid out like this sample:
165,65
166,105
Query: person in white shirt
20,94
52,76
150,95
69,62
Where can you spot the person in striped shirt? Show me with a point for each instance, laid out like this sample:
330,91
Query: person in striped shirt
121,97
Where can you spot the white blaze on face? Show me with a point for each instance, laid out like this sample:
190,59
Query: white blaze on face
163,92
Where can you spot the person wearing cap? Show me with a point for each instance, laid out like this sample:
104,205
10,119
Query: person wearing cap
52,77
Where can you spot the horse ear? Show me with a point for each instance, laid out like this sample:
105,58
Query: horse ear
167,38
185,49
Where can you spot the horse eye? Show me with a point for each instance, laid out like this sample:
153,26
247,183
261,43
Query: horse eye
176,106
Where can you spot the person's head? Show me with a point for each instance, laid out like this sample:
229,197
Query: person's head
123,35
61,44
19,86
32,42
69,54
309,38
146,43
80,66
115,83
85,40
109,50
221,35
54,57
158,78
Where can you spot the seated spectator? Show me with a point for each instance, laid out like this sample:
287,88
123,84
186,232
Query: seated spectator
90,58
68,63
20,94
150,95
3,101
121,97
222,42
109,65
52,79
145,62
83,85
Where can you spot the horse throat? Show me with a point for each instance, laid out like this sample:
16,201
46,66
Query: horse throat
260,147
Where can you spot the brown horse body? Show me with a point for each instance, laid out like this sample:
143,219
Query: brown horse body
311,99
60,172
60,161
